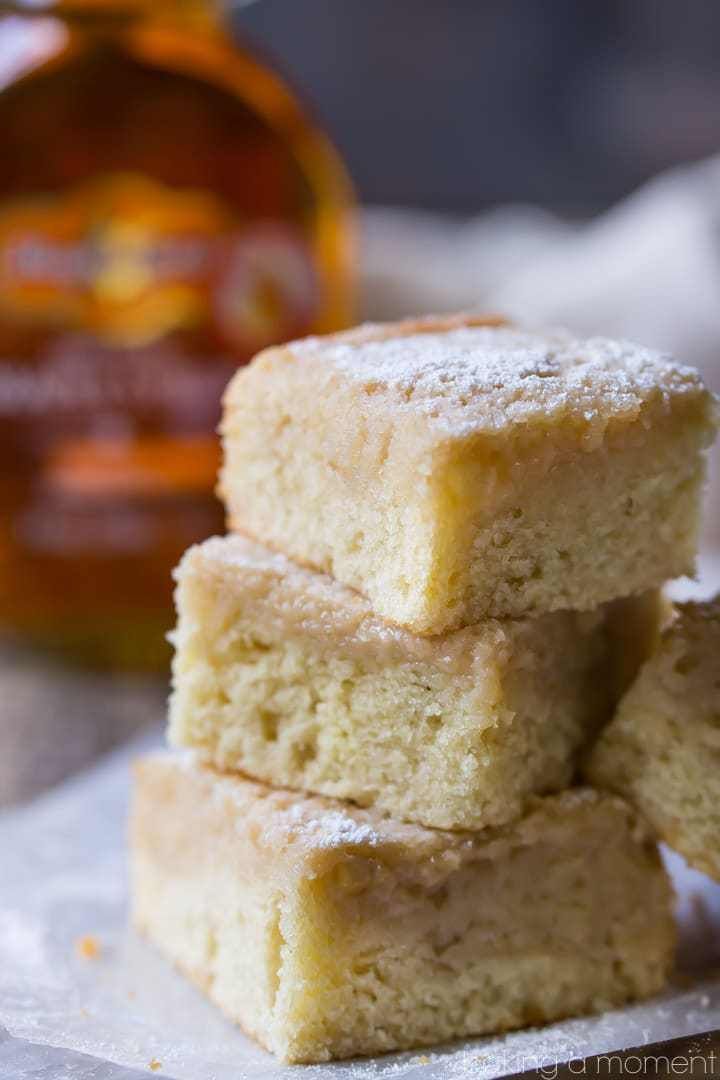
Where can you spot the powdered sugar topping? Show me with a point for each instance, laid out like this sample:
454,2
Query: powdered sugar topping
331,829
494,376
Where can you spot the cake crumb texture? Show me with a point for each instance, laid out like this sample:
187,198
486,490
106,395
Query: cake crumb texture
288,676
88,947
662,750
328,931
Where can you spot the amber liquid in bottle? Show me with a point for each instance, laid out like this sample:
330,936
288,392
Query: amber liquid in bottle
166,210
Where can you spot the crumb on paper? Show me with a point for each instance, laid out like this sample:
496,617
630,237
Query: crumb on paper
154,1064
84,1012
88,947
131,994
421,1059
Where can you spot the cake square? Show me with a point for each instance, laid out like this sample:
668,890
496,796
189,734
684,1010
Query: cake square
288,676
453,471
327,931
662,750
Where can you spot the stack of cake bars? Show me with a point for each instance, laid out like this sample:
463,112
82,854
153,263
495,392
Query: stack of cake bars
447,541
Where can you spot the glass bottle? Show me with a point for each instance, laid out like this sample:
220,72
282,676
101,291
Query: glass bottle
166,209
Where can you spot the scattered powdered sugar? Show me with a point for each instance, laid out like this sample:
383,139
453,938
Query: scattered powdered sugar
331,828
489,377
287,815
243,552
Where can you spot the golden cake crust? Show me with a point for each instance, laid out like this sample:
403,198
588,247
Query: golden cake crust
480,376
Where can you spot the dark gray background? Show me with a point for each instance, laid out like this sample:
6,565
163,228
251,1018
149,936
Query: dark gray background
463,103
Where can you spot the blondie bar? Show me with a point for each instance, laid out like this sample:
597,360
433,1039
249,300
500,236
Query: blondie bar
328,931
451,470
288,676
663,748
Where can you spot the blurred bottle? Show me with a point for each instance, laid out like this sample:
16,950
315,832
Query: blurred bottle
166,209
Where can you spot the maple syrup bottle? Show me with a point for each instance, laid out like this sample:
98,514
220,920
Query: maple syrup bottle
166,210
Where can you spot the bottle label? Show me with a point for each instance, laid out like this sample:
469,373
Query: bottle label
125,306
130,261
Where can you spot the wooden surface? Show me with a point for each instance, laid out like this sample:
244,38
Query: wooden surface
55,720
